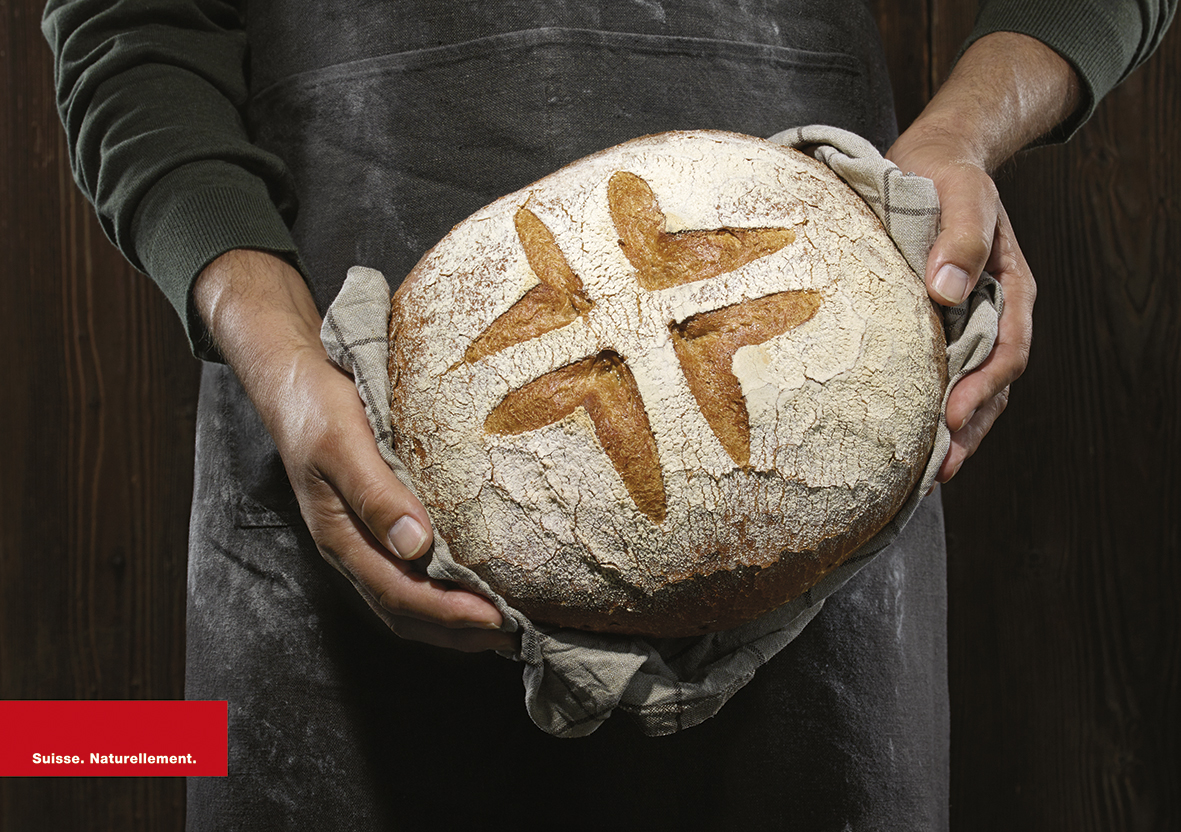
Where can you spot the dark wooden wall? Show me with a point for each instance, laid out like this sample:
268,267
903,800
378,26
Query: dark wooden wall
96,450
1064,530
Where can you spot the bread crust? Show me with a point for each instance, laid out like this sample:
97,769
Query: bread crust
667,430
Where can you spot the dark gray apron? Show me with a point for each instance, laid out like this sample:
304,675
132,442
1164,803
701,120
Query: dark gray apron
397,120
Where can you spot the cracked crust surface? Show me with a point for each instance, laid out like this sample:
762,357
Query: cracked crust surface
666,388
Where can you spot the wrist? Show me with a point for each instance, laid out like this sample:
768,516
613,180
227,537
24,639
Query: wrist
263,320
250,299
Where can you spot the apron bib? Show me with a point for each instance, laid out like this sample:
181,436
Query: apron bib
398,120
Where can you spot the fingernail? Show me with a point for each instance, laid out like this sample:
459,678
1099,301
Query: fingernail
964,423
951,283
407,537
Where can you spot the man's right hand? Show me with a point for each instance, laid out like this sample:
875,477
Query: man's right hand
365,522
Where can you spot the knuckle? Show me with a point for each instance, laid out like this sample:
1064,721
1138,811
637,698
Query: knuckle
1029,288
399,627
371,502
1016,362
1022,363
968,248
318,437
1002,400
391,602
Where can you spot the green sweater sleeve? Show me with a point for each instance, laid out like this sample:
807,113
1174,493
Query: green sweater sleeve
150,94
1104,40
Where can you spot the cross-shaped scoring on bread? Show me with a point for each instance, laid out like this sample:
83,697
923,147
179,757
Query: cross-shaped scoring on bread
666,388
602,384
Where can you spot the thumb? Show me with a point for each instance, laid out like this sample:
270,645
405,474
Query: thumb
969,207
382,502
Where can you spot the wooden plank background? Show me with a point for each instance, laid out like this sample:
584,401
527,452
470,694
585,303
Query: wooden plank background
1064,530
96,450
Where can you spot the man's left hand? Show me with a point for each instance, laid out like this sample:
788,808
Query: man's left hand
975,235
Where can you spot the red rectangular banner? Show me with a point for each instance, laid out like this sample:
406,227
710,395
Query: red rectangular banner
158,738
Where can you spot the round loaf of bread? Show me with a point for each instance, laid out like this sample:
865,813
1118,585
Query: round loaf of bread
667,388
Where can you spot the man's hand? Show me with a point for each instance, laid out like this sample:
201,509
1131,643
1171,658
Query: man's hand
365,522
975,236
1006,91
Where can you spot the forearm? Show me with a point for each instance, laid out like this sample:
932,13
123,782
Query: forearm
1007,91
1104,40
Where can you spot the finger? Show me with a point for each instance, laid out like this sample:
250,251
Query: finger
967,439
1010,354
402,590
457,634
1003,366
351,462
469,641
465,638
967,223
391,513
389,584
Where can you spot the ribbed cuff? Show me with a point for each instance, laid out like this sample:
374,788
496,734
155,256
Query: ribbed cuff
194,215
1098,38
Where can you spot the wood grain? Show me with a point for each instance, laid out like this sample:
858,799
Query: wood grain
1063,535
1065,640
906,29
96,441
